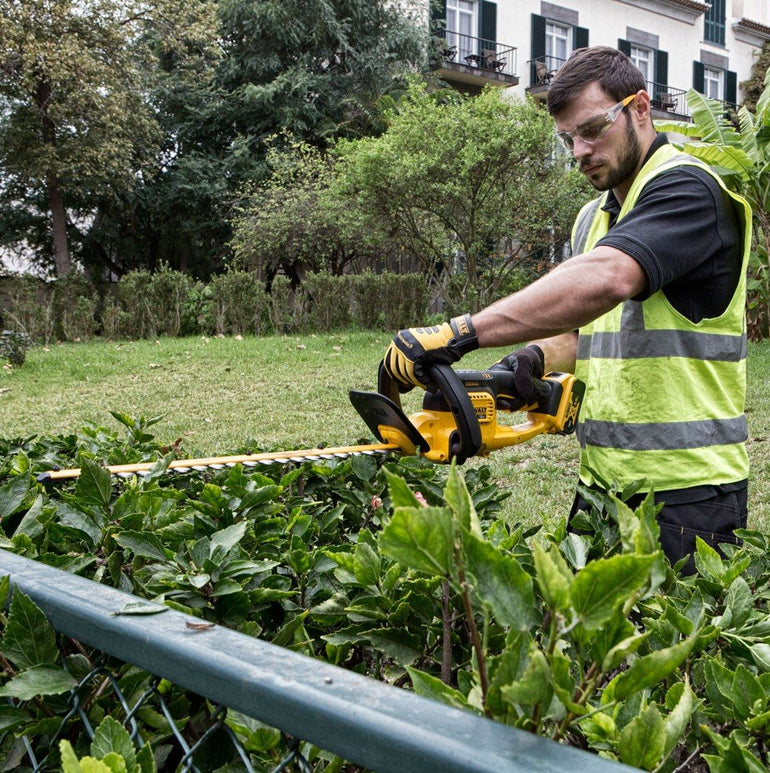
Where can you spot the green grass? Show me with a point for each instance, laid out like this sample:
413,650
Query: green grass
221,394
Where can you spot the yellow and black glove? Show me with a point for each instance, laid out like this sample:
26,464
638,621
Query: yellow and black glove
417,347
527,366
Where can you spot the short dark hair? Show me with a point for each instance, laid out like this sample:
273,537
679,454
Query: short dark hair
615,73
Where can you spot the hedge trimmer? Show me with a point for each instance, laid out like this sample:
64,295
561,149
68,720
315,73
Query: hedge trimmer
458,420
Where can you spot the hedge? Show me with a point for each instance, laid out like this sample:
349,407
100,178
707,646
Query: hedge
168,302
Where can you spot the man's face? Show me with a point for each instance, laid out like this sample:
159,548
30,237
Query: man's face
615,156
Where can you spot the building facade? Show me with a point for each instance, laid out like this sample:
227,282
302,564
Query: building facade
677,44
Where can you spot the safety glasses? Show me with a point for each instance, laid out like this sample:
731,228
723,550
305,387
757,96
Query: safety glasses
594,128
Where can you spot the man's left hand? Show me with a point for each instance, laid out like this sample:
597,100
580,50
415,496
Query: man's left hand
413,350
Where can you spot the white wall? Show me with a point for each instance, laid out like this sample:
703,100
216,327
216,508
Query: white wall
678,25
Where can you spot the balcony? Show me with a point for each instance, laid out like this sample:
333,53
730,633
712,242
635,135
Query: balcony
472,62
666,102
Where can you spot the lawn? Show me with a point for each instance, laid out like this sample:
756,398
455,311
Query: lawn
221,394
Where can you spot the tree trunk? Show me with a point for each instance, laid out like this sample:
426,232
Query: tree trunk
61,251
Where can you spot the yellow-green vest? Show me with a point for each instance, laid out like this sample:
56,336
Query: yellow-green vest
664,396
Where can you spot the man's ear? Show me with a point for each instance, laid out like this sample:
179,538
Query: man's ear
641,106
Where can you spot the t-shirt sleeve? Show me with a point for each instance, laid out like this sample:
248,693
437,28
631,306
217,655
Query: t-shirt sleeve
674,227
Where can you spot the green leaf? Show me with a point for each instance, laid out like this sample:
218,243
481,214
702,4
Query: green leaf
554,577
114,762
69,760
500,583
396,643
650,669
225,540
534,685
142,543
94,484
421,538
432,687
253,734
677,721
459,501
642,740
708,562
400,493
603,584
140,608
760,654
145,759
618,653
366,565
78,519
13,494
28,639
38,680
111,737
738,605
734,758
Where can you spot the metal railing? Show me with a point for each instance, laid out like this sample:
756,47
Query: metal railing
486,55
369,723
662,96
667,98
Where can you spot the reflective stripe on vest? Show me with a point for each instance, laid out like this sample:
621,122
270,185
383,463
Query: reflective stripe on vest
665,396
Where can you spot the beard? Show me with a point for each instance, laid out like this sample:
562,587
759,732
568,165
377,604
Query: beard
626,164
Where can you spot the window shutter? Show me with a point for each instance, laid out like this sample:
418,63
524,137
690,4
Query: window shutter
731,87
698,77
537,44
624,46
488,24
661,69
580,39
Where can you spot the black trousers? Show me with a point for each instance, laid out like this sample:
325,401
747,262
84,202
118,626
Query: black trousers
712,513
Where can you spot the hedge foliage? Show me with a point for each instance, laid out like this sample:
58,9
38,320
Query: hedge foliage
168,302
401,571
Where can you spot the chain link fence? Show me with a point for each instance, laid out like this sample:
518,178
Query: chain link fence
374,725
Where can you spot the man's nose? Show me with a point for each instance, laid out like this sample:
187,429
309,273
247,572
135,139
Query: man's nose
580,148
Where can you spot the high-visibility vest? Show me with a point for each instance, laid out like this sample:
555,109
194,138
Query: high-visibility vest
665,396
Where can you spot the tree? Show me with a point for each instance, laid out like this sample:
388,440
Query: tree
295,221
752,87
469,186
742,158
310,69
74,124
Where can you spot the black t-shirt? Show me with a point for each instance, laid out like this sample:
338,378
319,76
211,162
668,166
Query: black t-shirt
685,233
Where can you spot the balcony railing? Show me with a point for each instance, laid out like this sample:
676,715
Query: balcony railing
455,48
663,98
667,98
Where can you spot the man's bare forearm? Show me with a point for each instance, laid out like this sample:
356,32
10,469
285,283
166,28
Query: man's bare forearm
573,294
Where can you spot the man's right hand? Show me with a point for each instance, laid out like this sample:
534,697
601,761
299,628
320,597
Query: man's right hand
527,366
413,350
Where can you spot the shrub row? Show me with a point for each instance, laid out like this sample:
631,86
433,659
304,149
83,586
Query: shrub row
167,302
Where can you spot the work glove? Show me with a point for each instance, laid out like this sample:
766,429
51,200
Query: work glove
412,351
527,366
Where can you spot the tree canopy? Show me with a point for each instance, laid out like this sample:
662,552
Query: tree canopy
127,128
470,186
468,189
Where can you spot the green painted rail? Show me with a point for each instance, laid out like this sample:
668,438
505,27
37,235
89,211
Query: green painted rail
373,724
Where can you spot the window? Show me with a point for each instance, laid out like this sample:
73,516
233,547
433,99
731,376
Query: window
713,83
714,80
651,62
553,40
643,59
461,26
558,44
714,21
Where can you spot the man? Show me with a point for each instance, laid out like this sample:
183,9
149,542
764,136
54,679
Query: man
649,312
